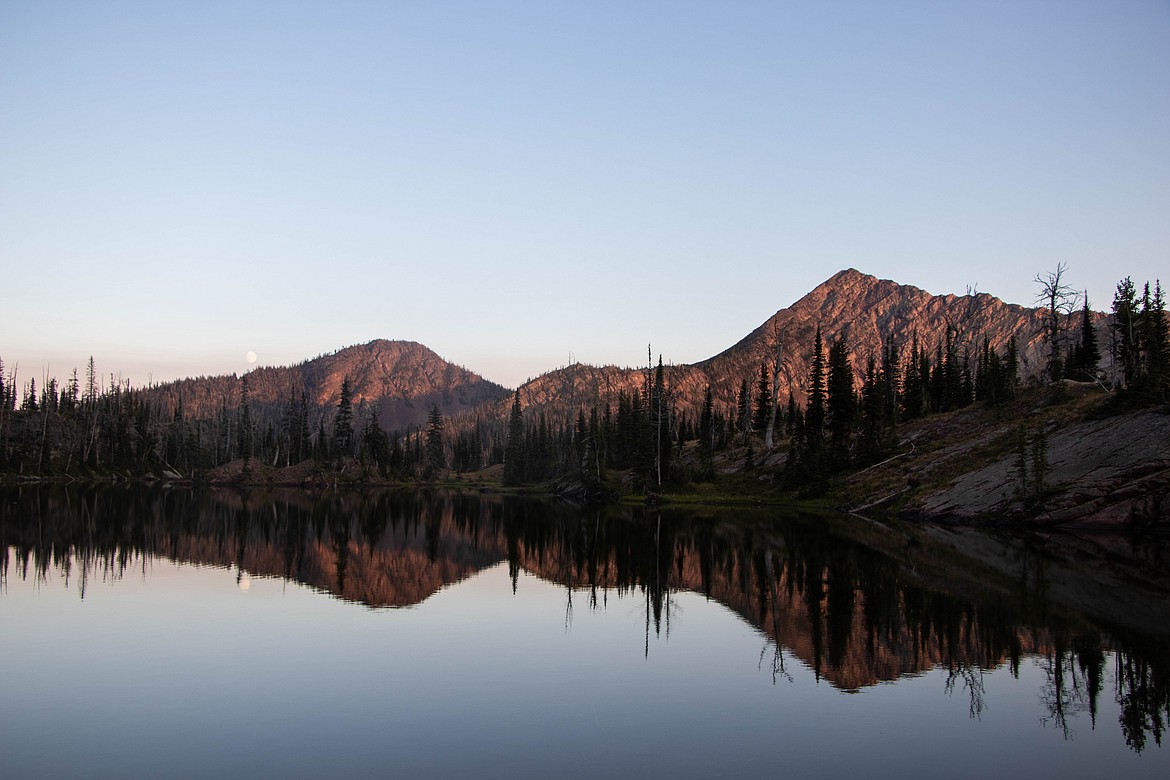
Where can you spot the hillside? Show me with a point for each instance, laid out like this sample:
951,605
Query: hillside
402,379
405,378
864,309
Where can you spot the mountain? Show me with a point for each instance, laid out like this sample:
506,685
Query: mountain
402,379
864,309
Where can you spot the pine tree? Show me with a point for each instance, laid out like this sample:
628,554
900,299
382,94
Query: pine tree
743,410
793,417
890,384
869,444
841,402
913,393
343,422
292,427
595,453
514,454
814,415
952,390
1126,325
1086,355
660,414
1154,346
1012,368
435,460
304,435
707,435
244,426
375,442
321,450
763,413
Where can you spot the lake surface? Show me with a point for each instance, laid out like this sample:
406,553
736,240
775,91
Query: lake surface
175,634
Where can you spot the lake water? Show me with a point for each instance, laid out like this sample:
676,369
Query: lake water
174,634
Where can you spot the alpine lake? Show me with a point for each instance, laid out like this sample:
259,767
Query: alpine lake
152,632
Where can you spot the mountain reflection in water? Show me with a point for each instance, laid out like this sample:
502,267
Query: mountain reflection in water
857,603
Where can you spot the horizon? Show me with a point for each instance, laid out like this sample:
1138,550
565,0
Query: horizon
254,364
517,185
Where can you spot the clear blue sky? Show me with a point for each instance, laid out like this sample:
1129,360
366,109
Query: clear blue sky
509,183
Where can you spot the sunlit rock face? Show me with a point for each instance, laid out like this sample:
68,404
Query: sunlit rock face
868,312
404,379
401,379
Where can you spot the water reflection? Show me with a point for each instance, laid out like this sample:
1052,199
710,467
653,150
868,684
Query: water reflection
858,604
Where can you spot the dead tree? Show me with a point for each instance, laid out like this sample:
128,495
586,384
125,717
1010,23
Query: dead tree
1058,299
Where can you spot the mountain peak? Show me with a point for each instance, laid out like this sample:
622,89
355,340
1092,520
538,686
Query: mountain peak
848,275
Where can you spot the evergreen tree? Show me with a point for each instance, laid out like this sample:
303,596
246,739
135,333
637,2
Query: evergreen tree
1086,355
952,390
595,452
1127,330
291,426
869,443
375,442
435,460
763,413
1155,346
343,422
707,435
660,414
1011,369
743,410
321,449
967,381
841,403
938,382
814,415
514,451
791,419
305,436
993,383
890,383
244,423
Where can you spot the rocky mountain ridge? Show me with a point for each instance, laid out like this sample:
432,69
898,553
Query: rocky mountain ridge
859,307
404,379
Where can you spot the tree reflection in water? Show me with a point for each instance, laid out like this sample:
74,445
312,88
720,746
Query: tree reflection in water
857,605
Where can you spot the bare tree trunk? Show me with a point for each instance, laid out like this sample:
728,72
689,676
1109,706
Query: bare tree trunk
778,354
769,434
658,450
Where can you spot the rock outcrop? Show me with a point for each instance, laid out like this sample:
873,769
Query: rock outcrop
1108,473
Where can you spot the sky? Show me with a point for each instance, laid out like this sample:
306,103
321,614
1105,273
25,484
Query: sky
518,185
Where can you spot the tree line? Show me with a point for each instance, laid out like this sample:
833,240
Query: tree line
842,419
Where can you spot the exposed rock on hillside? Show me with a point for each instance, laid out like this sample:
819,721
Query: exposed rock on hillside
1101,473
402,378
864,309
867,310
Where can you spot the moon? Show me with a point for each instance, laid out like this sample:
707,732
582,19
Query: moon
250,356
